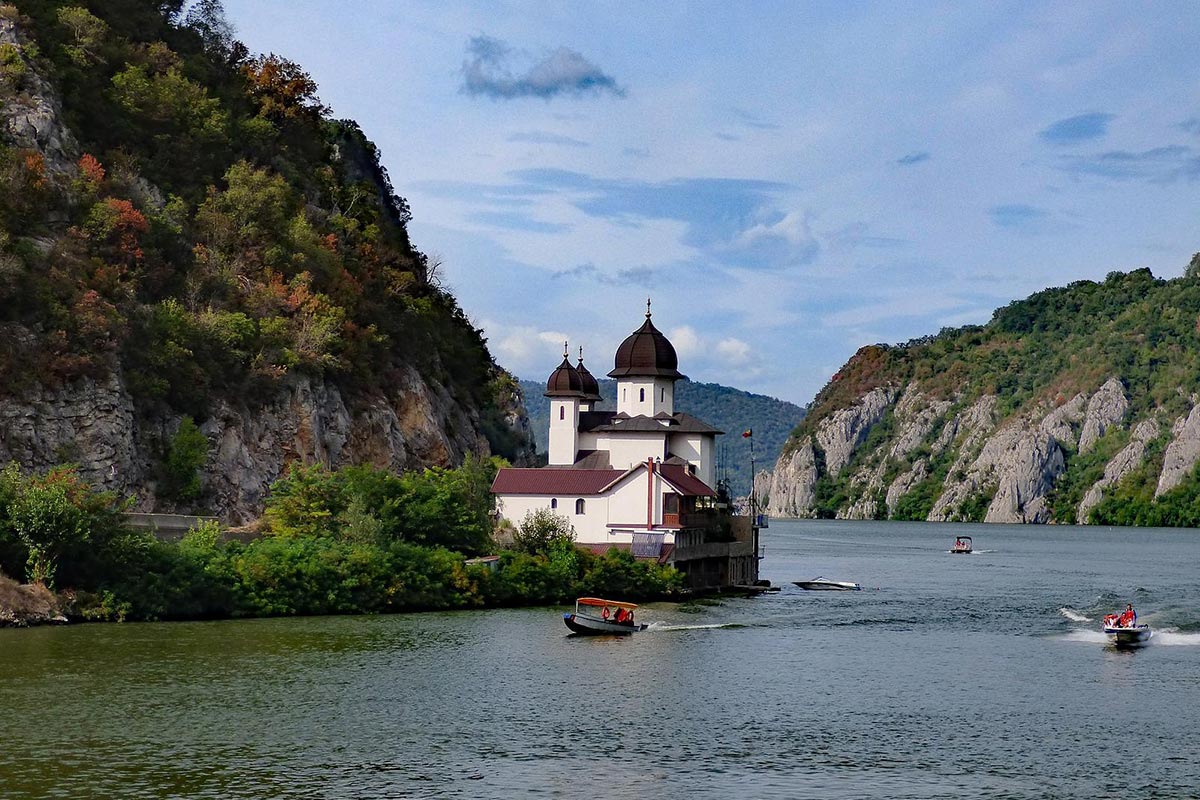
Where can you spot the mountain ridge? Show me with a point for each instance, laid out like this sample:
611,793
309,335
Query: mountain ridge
1077,404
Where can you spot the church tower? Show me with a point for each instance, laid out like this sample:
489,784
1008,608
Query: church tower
646,369
566,392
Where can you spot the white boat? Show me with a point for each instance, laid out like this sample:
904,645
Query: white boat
1126,635
819,584
962,545
595,617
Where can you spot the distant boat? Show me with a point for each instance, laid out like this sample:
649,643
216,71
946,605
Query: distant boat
594,617
961,545
819,584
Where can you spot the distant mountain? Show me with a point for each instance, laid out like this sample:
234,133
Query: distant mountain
731,410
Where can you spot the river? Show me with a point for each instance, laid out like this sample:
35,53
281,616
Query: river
948,676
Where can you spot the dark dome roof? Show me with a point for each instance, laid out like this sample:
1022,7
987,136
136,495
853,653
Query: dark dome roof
646,353
591,387
565,381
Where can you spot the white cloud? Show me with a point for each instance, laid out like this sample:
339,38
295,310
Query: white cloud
734,352
686,341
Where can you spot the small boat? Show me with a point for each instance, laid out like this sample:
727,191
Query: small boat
819,584
595,617
1134,635
961,545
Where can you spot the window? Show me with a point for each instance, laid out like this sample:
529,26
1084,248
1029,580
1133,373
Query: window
670,503
624,395
562,412
579,506
662,398
641,395
553,502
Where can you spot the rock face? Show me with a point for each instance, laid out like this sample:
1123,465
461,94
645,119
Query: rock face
1123,463
789,487
995,470
32,119
840,433
93,425
1182,453
1107,407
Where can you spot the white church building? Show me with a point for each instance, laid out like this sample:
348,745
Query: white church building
632,478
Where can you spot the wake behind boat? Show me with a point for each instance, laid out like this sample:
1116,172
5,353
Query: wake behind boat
594,617
819,584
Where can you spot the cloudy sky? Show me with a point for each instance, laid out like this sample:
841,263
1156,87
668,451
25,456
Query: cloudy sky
788,181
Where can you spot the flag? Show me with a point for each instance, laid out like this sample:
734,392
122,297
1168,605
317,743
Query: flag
747,434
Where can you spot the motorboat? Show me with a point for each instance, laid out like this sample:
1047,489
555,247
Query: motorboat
819,584
962,545
1130,635
595,616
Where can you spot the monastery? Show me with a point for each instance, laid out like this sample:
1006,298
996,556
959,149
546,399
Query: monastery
641,478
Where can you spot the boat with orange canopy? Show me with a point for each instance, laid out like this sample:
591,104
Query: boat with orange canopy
595,616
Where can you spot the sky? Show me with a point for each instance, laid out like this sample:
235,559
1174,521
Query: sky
787,181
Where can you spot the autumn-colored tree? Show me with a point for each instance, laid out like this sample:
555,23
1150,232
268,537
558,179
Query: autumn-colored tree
117,226
282,90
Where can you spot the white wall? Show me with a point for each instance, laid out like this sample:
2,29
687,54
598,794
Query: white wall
645,396
699,451
564,433
628,449
624,506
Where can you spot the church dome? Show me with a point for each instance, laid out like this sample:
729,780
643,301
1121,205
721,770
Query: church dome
591,387
565,381
646,353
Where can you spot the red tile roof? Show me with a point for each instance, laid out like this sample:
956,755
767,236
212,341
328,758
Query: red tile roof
550,481
685,481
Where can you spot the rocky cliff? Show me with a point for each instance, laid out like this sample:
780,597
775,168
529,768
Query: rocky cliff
137,288
1047,414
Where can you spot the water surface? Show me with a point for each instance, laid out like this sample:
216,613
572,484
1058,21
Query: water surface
948,676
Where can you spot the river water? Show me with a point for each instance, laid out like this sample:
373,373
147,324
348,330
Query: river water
948,676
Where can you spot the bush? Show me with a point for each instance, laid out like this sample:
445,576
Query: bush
185,458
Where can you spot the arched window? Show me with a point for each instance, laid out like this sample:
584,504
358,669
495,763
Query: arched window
562,412
662,398
579,506
624,395
641,395
554,502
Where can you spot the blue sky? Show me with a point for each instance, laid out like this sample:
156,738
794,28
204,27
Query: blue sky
788,181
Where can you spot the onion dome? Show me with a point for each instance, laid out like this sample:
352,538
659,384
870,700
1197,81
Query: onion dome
591,387
646,353
565,381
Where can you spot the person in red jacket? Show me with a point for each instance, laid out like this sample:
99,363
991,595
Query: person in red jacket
1129,617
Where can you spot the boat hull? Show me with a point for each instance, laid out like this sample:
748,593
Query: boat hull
590,626
1136,636
828,586
960,552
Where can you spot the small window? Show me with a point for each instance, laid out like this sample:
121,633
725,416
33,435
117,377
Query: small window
624,395
554,502
641,395
562,412
579,506
662,398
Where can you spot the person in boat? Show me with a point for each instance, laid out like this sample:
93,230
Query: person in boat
1110,620
1128,617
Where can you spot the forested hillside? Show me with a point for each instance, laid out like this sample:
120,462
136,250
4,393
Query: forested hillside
188,241
730,410
1077,404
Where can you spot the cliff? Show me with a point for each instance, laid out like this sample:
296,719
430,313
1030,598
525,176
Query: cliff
1076,405
188,241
